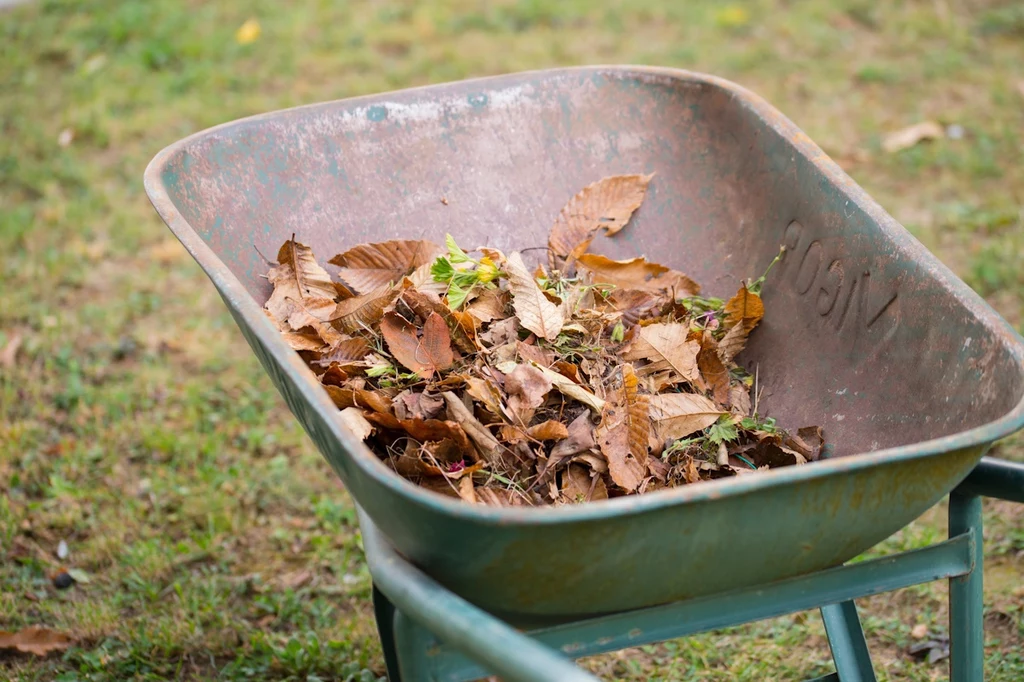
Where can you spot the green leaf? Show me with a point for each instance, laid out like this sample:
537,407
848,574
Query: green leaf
455,254
618,332
698,304
442,270
723,432
456,296
465,278
379,370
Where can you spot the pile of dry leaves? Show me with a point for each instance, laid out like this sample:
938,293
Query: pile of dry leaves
479,378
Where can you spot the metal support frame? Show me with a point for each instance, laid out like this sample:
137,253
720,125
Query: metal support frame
430,634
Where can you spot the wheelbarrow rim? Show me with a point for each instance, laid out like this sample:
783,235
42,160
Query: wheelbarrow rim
238,297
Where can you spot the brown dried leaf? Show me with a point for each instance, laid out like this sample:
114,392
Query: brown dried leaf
549,430
426,354
637,273
303,339
423,281
677,415
298,280
368,266
35,640
527,387
362,312
437,343
358,397
501,333
424,303
635,304
739,399
607,203
623,433
580,439
489,305
578,485
352,418
488,446
486,393
568,387
745,308
466,490
535,354
665,346
346,350
411,404
498,497
535,312
807,441
713,370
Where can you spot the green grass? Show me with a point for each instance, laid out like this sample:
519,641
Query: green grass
136,426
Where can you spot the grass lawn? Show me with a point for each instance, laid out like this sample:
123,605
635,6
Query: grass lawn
136,426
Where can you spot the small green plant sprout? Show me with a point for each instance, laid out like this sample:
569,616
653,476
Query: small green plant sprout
756,286
723,431
461,273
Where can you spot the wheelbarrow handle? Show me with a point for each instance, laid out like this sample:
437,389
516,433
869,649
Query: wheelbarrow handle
995,478
487,640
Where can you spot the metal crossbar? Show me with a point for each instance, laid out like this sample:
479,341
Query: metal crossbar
429,633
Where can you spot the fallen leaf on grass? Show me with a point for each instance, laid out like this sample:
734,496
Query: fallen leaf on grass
10,351
35,640
609,203
905,138
534,310
248,32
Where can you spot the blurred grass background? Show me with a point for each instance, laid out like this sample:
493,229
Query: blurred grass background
136,426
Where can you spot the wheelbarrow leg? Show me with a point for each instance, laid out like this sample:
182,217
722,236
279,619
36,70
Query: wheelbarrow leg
384,611
846,639
966,598
411,644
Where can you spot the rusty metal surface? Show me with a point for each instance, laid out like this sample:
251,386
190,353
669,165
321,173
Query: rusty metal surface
910,373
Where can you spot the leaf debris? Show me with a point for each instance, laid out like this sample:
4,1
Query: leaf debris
482,379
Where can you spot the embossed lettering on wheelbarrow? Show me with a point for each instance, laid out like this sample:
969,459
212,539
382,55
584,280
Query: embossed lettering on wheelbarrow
910,373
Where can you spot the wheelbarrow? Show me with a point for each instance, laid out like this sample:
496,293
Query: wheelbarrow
911,374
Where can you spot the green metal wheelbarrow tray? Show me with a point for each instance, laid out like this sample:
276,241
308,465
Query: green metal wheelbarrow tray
911,374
